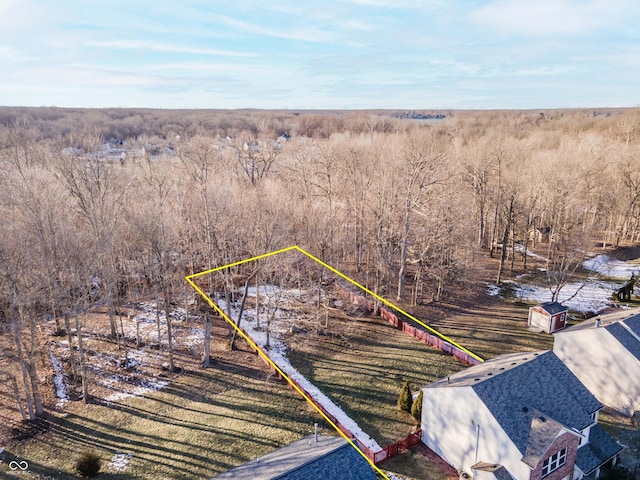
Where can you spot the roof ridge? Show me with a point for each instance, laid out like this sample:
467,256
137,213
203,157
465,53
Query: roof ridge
629,329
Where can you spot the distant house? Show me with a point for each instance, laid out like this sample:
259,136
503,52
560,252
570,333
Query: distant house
522,416
328,458
540,235
548,317
604,353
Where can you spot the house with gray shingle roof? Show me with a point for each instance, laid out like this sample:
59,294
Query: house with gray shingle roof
604,353
324,458
521,416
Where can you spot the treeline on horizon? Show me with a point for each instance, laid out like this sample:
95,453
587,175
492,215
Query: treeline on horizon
99,203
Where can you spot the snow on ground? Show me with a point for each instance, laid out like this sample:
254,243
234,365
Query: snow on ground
145,387
595,296
58,381
119,462
612,268
278,353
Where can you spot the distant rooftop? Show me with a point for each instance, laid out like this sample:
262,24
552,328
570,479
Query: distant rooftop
306,459
631,318
623,326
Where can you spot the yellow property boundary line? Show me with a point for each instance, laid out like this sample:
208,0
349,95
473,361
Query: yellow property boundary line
189,278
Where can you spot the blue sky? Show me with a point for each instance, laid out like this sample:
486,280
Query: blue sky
339,54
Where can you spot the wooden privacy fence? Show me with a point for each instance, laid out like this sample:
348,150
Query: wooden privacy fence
407,325
403,445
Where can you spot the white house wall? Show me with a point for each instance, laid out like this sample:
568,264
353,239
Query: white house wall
603,365
450,416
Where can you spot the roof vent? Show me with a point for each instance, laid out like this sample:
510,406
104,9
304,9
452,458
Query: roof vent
525,409
542,419
513,363
476,379
489,374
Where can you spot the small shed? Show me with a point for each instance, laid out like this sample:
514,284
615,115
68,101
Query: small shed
548,317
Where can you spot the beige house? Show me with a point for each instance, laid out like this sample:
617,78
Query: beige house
604,353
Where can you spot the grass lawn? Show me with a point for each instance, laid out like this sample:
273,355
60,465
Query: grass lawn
362,370
203,423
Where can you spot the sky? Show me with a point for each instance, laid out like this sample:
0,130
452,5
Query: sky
330,54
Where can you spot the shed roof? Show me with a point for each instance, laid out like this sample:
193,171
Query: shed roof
305,459
553,307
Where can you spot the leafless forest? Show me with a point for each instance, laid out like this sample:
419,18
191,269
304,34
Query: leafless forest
96,204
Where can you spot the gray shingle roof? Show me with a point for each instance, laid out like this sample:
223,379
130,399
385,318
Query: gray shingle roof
625,337
601,447
543,383
634,324
329,458
553,307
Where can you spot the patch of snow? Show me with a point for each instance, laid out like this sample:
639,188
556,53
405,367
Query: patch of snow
492,290
610,267
393,476
595,296
119,462
277,353
520,249
58,381
146,387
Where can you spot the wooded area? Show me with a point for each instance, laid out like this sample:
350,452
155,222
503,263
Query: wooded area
98,204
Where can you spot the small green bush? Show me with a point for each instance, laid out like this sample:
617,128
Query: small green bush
88,464
416,407
404,400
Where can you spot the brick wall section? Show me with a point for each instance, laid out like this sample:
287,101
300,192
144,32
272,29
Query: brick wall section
416,331
565,440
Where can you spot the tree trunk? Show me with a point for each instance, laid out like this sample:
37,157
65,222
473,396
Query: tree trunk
33,374
405,247
16,395
72,360
83,363
206,361
25,376
505,239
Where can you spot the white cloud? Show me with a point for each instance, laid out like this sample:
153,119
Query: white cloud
163,47
549,17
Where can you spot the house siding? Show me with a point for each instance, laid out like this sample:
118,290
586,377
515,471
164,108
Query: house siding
567,440
450,419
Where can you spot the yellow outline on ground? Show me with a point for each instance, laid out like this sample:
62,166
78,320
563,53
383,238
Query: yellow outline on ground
189,278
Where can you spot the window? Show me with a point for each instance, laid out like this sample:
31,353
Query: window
554,462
